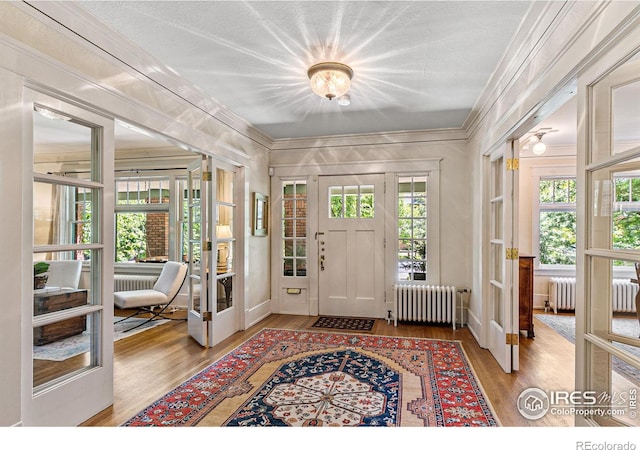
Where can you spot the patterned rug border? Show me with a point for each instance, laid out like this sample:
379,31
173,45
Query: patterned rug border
467,363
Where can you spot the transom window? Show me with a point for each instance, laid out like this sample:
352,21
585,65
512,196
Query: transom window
142,220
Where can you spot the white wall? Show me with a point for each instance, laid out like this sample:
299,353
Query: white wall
455,181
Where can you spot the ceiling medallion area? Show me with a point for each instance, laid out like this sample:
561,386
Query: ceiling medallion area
331,80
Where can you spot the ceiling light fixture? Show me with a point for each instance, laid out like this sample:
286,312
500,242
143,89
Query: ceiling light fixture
330,79
540,147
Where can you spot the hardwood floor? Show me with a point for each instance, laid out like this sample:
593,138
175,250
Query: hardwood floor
150,364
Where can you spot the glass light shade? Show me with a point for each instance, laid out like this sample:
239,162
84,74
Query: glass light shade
330,79
539,148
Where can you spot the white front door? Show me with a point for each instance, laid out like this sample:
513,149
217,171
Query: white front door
199,254
73,210
503,306
351,245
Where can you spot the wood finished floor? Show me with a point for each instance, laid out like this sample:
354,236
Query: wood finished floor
150,364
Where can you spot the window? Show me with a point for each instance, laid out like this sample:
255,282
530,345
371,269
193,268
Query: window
412,228
626,213
351,202
294,228
557,221
557,218
142,220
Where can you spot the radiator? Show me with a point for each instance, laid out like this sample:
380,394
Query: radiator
422,303
562,294
133,282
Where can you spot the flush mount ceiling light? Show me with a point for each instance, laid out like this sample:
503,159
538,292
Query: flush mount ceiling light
535,141
539,147
330,79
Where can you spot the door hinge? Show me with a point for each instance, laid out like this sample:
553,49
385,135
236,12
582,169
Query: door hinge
208,246
512,253
513,164
206,316
207,176
511,339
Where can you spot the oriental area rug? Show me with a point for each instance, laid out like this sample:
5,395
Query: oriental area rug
325,379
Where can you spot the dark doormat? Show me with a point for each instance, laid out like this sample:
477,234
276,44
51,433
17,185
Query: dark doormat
344,323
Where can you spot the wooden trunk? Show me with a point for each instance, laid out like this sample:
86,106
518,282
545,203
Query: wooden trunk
47,302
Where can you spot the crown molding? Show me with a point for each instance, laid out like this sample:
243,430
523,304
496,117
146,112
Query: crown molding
83,28
371,139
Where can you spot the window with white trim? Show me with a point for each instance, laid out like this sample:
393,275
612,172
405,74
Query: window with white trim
294,228
412,228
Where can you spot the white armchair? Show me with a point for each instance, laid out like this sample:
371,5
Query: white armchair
162,295
64,273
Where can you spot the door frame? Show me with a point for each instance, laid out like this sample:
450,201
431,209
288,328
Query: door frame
311,172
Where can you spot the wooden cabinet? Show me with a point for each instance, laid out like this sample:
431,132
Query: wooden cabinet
526,294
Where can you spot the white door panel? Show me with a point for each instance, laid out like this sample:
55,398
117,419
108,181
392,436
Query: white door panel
503,305
351,246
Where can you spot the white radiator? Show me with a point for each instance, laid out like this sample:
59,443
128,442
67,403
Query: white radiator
422,303
562,294
133,282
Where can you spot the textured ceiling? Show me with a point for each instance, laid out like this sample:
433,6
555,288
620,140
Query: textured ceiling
419,65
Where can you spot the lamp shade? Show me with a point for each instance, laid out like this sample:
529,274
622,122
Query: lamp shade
330,79
539,148
223,232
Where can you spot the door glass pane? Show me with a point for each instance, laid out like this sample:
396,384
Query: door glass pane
59,143
625,106
335,202
225,238
65,338
62,214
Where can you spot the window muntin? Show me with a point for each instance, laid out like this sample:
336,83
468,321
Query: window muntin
294,228
557,221
351,202
142,219
412,228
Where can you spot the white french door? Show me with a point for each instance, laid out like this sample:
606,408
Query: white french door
213,306
198,252
502,307
73,210
608,243
351,245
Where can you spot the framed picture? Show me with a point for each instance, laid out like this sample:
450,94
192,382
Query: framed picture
260,214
